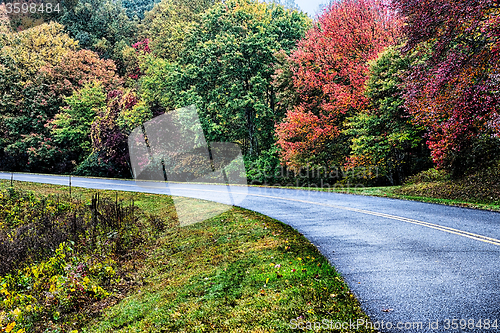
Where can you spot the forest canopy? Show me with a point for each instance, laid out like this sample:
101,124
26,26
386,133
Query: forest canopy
397,86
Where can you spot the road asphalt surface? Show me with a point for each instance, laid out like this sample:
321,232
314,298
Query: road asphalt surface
415,267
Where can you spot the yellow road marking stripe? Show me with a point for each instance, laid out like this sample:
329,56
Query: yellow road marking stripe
462,233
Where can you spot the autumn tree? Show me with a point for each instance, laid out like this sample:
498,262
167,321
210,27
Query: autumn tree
23,54
26,103
79,68
131,61
454,92
109,134
85,79
327,74
28,143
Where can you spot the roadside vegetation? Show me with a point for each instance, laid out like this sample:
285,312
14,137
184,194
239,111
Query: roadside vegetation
480,189
63,259
237,272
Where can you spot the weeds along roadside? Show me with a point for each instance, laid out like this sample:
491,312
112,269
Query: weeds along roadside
62,257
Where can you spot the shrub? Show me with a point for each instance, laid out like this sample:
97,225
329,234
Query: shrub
58,256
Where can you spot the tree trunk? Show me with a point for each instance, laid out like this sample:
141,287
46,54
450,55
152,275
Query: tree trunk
251,129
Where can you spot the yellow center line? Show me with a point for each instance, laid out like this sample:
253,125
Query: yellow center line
462,233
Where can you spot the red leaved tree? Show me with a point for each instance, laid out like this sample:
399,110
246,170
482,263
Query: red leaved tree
454,91
78,68
327,75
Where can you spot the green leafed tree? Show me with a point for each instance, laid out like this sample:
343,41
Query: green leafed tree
383,137
226,69
101,26
137,8
71,127
167,25
161,85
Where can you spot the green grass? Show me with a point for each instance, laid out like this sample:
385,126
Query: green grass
480,190
237,272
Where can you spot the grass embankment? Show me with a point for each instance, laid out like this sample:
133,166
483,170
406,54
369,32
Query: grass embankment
237,272
480,190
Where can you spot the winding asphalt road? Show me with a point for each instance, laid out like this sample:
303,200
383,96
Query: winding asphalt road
415,267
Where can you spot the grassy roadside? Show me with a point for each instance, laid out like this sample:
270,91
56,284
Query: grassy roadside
411,192
237,272
480,190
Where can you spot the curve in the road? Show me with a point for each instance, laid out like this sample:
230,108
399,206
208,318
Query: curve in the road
437,268
388,216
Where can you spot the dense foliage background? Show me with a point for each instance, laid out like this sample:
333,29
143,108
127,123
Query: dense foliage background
388,87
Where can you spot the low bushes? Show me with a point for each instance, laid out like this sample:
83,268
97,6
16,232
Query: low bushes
480,187
59,256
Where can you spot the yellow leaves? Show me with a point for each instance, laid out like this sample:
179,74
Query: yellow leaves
99,292
109,271
4,291
10,327
36,272
16,312
31,49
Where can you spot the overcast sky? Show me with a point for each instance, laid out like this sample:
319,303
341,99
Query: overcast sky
310,6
